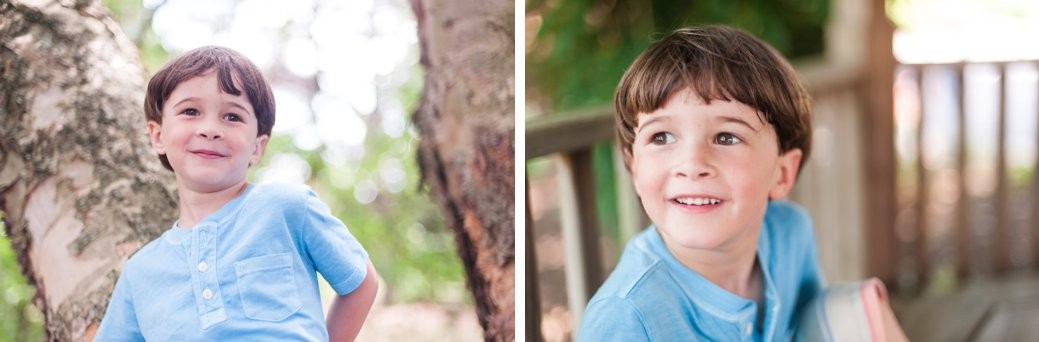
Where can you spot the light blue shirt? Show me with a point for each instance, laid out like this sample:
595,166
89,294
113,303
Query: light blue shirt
246,272
650,296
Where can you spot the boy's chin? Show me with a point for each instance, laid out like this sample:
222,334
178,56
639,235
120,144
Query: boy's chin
698,239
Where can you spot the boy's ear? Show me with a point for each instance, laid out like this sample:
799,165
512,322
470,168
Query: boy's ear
786,173
261,145
155,135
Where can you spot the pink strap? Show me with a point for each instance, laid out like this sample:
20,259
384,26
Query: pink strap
874,297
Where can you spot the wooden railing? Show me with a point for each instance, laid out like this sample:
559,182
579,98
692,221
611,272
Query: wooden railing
967,204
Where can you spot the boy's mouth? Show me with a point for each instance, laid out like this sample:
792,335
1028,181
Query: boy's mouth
697,201
207,154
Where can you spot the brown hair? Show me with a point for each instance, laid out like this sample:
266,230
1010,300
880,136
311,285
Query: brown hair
233,70
718,63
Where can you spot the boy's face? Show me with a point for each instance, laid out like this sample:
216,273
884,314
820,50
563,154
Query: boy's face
208,136
705,172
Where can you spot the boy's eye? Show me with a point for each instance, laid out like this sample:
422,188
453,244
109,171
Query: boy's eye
727,139
232,117
190,111
663,138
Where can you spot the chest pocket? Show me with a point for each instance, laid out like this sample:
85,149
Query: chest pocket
267,287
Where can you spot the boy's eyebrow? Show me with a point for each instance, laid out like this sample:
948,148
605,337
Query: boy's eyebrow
240,106
737,120
185,100
651,119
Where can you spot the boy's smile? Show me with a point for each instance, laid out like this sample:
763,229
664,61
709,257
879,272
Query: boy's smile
209,136
705,172
696,203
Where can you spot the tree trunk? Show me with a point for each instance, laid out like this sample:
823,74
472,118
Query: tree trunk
79,186
466,124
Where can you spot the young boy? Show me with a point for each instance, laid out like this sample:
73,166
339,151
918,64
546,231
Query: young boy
240,263
714,125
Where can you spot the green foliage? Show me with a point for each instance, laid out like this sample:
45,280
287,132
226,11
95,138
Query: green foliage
582,47
21,321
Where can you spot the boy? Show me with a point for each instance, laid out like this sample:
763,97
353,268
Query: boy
240,262
714,124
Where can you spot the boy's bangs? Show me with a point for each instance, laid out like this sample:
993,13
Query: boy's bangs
711,83
229,78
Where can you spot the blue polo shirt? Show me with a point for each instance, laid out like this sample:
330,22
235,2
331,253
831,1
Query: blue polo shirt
650,296
247,271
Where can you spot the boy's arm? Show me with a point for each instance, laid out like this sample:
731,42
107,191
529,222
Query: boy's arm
348,311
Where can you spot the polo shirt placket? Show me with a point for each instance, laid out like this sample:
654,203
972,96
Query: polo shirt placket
202,254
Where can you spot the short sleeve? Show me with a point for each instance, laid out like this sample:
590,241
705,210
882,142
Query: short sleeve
612,319
335,252
120,321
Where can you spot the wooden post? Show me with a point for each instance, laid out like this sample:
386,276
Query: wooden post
532,304
1002,236
923,263
963,204
878,126
580,231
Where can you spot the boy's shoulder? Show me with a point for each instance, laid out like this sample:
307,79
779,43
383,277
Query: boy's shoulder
280,190
144,256
640,269
787,221
787,234
786,211
275,197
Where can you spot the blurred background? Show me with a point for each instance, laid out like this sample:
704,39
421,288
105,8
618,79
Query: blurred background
346,79
922,171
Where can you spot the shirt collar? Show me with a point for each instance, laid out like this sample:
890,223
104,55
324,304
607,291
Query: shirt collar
177,235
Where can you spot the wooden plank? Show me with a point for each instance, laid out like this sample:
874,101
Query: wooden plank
963,207
532,304
923,264
989,309
1001,247
569,132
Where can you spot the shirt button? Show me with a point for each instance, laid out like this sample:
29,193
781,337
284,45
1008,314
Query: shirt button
746,327
202,266
207,294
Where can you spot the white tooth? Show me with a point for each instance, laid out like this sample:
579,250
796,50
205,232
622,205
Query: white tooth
714,201
698,201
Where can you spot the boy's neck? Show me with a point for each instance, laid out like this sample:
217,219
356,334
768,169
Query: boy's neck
196,206
734,269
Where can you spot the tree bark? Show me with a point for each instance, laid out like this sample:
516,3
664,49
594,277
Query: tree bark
79,186
466,123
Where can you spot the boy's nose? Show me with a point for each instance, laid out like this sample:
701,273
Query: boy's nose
696,164
209,133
